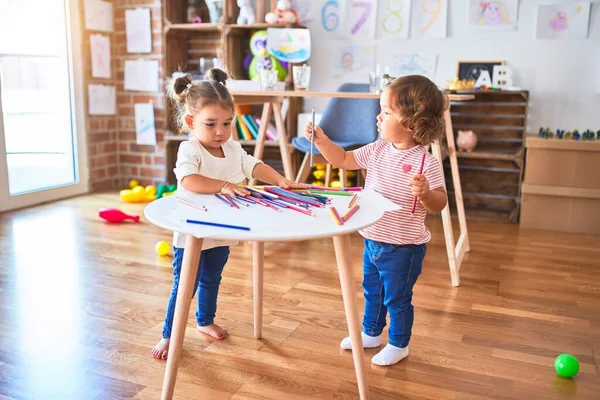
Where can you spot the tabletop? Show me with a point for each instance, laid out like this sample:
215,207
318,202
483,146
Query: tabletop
265,223
345,95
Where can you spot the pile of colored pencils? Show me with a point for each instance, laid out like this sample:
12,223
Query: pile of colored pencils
299,200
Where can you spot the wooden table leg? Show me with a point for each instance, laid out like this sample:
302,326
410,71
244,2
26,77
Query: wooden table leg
258,254
342,255
460,204
286,158
189,269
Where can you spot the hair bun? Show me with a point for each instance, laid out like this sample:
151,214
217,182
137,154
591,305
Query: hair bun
217,75
181,83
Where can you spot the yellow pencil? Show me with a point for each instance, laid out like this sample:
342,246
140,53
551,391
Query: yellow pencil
352,201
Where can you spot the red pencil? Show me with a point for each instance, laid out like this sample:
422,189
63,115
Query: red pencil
336,216
415,199
350,213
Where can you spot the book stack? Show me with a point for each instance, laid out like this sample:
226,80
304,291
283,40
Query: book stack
248,125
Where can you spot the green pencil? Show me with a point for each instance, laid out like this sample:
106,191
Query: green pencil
332,193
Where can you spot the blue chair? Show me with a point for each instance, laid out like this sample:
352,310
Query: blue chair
349,123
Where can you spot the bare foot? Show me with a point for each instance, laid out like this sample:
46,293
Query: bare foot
161,349
214,330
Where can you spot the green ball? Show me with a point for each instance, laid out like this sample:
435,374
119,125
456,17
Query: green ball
172,188
566,365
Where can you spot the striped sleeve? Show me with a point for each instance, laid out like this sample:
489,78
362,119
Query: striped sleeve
363,154
433,173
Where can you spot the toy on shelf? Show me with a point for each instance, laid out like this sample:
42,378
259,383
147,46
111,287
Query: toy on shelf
259,58
466,140
461,84
282,14
587,135
114,215
246,15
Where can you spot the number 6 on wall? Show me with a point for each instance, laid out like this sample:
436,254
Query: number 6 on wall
329,18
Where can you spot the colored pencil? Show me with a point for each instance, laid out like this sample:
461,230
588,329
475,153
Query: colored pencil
191,203
350,213
352,201
238,201
336,216
231,200
307,212
245,199
293,196
261,193
223,200
414,207
331,193
192,221
353,189
312,137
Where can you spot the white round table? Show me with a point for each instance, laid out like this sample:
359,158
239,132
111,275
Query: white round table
265,225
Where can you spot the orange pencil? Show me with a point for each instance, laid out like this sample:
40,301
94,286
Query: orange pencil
336,216
350,213
352,201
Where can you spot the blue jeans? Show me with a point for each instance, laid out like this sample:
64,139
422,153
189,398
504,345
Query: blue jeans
390,272
208,280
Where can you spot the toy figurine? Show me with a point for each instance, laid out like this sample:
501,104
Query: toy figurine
466,140
282,14
246,15
576,135
567,135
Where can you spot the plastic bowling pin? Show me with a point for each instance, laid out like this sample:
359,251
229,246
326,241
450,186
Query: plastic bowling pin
114,215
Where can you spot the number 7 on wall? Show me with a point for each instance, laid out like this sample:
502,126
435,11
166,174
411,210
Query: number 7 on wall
361,18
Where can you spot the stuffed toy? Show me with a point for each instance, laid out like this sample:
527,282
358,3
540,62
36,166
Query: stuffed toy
261,59
246,12
282,14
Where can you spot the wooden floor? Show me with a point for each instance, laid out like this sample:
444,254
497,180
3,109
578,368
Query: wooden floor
82,304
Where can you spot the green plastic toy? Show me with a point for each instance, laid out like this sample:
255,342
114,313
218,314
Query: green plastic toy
566,365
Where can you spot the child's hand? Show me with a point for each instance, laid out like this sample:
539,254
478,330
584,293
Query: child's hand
232,190
420,186
319,134
287,184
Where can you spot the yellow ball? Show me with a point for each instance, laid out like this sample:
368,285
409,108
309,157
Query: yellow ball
150,190
319,174
162,248
139,190
320,166
133,183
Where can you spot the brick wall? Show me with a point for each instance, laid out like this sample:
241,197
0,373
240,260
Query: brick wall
114,156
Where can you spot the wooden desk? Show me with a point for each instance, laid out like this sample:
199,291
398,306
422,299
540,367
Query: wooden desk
272,104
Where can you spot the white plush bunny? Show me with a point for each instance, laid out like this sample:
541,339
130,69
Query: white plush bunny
246,12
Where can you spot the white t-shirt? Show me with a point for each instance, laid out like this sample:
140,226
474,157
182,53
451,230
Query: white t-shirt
193,158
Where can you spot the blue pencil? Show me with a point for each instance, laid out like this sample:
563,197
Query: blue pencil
193,221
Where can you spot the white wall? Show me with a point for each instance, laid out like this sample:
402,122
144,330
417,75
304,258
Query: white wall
563,77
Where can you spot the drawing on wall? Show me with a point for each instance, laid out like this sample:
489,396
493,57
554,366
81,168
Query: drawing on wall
430,19
360,18
414,64
100,49
330,17
563,20
349,58
393,18
499,15
305,10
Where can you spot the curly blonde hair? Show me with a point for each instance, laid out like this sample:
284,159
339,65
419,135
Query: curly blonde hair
420,105
191,97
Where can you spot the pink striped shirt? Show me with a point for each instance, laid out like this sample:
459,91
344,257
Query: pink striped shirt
389,172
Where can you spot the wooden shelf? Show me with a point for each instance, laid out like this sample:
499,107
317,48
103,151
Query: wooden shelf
535,142
203,27
491,154
261,25
181,138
